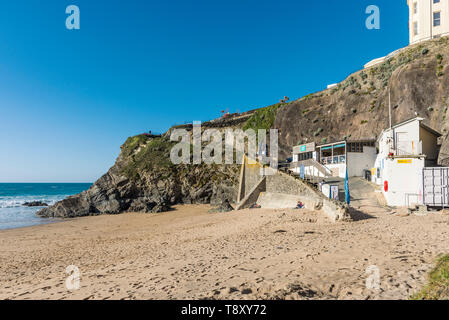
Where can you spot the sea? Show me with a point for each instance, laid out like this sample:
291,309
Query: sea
13,195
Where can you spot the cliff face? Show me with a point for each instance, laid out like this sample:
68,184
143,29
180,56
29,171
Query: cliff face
144,180
418,79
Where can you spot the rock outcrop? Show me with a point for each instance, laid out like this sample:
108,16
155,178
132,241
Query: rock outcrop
35,204
143,179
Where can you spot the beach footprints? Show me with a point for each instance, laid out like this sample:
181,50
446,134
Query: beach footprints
73,281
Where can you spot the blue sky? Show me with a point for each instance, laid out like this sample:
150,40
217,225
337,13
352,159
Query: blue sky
70,98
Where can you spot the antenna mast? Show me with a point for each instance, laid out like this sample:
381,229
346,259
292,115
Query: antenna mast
389,106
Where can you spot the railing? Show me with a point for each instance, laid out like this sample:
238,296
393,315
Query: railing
333,160
326,172
408,148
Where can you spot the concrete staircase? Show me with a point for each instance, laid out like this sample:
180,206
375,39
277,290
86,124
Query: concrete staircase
325,172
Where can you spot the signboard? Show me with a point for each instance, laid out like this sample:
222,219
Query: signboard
408,161
309,147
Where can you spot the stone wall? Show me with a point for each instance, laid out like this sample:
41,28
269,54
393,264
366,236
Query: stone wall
249,177
253,195
252,184
282,183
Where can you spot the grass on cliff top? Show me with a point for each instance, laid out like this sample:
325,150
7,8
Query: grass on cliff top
154,153
132,143
437,287
263,118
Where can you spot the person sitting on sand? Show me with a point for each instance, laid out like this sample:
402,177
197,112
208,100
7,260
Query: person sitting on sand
300,205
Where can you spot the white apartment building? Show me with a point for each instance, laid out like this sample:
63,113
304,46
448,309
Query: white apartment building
428,19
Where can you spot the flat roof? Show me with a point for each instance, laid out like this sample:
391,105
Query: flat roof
346,141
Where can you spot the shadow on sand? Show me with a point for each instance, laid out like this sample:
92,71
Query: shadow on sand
358,215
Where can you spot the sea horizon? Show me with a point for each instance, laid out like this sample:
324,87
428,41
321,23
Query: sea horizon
51,182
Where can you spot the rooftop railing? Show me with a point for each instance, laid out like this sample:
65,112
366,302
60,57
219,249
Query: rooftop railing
333,160
408,148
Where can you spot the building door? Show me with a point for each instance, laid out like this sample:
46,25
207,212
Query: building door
402,147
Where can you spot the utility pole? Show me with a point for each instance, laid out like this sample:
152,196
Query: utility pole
389,106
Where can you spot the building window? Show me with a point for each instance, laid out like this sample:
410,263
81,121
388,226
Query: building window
305,156
415,8
436,19
415,28
357,147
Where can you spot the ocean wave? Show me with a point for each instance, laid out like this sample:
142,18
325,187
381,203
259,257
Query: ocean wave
15,202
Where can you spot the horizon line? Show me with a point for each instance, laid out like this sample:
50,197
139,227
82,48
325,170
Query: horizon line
47,182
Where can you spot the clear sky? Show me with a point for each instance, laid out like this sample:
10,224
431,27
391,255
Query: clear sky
70,98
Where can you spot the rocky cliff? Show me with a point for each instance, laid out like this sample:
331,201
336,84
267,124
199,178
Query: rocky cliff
418,79
144,180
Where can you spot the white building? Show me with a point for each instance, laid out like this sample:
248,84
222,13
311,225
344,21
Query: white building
428,19
404,151
332,159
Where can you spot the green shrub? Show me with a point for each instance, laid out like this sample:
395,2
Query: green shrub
155,154
132,143
263,118
363,75
438,282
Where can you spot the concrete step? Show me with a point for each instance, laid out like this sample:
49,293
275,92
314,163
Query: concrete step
269,200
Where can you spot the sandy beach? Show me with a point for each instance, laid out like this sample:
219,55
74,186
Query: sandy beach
189,253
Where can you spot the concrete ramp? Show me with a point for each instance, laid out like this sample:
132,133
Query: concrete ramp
273,189
268,200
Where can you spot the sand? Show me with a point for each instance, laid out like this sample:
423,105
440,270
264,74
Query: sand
189,253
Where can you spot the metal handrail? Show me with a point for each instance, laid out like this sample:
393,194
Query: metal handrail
325,160
311,162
